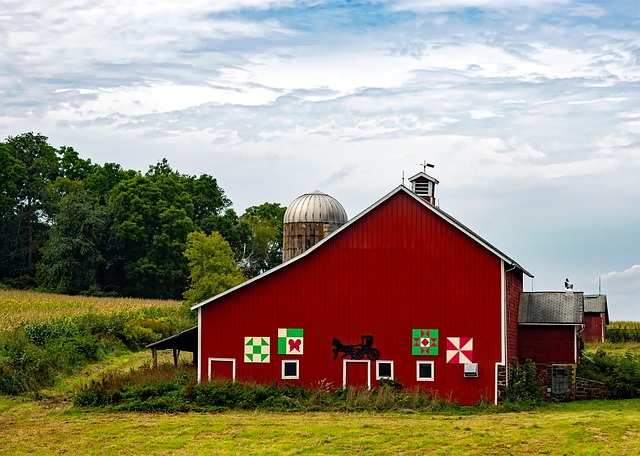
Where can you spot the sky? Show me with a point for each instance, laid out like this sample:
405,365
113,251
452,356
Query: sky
529,110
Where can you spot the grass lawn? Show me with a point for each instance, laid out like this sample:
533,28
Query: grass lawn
45,427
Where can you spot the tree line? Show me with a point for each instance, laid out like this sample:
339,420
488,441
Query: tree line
68,225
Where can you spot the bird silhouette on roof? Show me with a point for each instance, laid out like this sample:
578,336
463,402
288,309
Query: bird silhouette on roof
568,285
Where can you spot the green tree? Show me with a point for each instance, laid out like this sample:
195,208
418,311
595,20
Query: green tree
263,250
72,256
212,266
31,166
152,216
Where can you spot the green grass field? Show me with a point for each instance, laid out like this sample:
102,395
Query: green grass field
51,424
597,428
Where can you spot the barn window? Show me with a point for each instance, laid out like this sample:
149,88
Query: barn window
424,371
561,379
384,369
290,370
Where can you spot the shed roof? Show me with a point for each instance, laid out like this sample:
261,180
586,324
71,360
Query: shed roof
400,188
187,340
551,308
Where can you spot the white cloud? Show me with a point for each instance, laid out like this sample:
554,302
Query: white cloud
624,282
623,293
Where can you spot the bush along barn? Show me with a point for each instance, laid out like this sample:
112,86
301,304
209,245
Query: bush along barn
403,292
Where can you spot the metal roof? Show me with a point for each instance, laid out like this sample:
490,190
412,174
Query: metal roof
425,175
400,188
551,307
187,340
315,207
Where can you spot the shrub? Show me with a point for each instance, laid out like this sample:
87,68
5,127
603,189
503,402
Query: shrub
170,389
621,373
525,383
33,355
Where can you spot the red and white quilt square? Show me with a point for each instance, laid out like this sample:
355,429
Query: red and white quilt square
459,350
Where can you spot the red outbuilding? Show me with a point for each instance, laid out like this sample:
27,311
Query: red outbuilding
401,291
548,335
596,318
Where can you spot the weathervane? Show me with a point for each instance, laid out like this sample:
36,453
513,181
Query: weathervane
426,165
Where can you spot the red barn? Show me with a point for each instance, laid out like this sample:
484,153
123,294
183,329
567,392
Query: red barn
596,318
401,291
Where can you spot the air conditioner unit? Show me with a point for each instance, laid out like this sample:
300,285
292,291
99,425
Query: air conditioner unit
471,370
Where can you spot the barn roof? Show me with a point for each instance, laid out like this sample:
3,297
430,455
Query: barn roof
399,189
551,307
596,304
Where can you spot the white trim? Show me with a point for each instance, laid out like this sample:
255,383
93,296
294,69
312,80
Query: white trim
433,372
549,324
378,377
503,313
575,345
344,371
401,188
504,329
291,377
199,345
231,360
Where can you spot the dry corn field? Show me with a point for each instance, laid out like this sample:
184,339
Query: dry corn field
30,306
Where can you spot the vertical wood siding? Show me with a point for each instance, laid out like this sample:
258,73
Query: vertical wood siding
547,344
594,327
397,268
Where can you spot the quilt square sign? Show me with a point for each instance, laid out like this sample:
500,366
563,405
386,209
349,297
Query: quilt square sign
257,350
424,342
290,341
459,350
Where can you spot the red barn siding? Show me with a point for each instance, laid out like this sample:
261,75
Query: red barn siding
397,268
547,344
594,327
513,281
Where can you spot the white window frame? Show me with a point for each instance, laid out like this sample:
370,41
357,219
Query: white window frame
291,377
227,360
344,371
385,361
433,374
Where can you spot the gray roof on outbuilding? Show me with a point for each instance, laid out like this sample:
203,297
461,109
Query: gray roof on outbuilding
596,304
551,308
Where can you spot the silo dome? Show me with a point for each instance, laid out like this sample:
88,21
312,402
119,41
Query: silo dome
307,220
315,207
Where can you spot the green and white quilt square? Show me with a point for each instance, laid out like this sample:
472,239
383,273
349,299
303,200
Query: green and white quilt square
257,349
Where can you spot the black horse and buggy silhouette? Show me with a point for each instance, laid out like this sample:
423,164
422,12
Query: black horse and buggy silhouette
356,351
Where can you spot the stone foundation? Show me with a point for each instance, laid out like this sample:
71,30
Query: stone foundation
591,389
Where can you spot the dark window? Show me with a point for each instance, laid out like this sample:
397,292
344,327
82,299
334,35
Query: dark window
425,370
290,369
384,370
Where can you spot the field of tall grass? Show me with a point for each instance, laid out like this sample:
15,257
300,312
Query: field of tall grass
623,331
45,337
20,306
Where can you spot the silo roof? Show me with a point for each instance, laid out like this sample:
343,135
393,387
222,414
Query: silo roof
315,207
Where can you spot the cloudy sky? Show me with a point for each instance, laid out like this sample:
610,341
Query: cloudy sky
530,109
